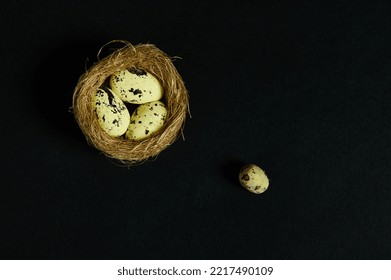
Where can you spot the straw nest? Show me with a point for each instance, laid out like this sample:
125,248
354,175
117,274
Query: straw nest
153,60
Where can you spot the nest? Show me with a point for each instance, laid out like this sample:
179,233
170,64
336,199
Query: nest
153,60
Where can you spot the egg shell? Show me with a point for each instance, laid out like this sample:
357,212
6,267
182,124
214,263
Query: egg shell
113,116
253,178
146,120
136,86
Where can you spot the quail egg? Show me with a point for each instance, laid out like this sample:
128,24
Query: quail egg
136,86
146,120
253,178
113,116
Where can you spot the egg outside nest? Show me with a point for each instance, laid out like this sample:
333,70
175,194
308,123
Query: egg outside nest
253,179
176,98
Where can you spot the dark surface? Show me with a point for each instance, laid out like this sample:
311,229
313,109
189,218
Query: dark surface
301,88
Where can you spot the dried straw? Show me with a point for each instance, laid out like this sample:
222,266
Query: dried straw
153,60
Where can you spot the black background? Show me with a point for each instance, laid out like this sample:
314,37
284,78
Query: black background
301,88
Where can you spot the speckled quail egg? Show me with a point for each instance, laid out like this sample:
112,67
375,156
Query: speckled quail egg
113,116
136,86
146,120
253,178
